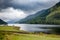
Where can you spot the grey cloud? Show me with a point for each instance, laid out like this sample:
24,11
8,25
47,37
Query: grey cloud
27,5
4,3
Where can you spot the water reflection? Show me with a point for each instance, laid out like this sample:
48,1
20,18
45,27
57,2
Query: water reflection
33,27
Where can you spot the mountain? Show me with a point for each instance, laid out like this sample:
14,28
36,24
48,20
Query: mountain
38,15
2,22
48,16
54,16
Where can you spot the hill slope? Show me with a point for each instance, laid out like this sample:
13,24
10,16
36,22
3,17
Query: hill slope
2,22
48,16
54,16
36,18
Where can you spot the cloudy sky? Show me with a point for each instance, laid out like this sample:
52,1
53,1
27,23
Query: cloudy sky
19,9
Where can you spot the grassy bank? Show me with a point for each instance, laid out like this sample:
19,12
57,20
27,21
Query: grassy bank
13,33
32,37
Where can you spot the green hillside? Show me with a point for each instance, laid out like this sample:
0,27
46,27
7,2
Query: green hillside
49,16
54,16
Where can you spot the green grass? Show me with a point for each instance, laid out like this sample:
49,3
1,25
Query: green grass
9,28
33,37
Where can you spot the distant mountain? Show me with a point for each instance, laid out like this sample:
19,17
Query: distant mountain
2,22
48,16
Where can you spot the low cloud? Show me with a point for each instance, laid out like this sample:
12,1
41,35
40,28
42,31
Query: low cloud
11,14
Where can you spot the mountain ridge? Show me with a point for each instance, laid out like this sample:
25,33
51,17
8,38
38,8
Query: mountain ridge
43,17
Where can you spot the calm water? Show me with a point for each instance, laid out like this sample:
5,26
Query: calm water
33,27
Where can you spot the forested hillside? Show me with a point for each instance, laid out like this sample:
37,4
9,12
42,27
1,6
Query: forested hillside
54,16
48,16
